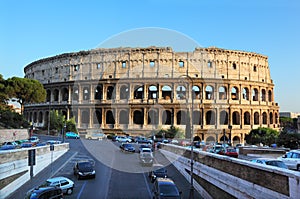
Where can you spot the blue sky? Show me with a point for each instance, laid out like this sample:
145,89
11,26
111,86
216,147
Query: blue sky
31,30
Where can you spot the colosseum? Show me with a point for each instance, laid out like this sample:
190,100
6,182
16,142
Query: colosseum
220,94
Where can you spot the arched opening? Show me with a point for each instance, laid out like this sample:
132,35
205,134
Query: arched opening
110,117
223,117
86,93
235,93
209,93
196,92
124,92
138,92
256,118
56,94
152,92
210,140
99,92
124,117
166,117
181,117
264,118
247,118
236,140
245,93
166,92
48,95
235,118
180,92
197,118
255,94
263,95
75,93
40,117
98,116
222,93
152,117
138,117
270,96
85,117
271,118
65,94
210,118
110,93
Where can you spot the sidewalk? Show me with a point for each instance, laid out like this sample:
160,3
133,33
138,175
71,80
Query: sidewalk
41,177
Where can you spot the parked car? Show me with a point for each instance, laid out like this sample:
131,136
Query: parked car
123,139
146,159
50,142
292,159
34,139
45,192
28,144
157,172
9,145
142,140
231,152
95,136
126,147
72,135
270,162
142,146
64,183
145,150
165,188
84,169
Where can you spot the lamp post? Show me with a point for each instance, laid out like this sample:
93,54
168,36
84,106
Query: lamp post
229,127
191,108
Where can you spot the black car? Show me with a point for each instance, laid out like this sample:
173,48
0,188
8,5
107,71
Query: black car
45,192
165,188
84,169
142,140
158,172
127,147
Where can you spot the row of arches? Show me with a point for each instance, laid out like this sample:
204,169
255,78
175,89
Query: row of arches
151,91
163,117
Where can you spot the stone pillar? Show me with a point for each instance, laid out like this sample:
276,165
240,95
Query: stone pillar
91,118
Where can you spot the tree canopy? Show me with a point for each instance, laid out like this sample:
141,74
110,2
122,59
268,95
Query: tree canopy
266,136
25,90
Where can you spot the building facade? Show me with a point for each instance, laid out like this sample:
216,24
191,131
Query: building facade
215,92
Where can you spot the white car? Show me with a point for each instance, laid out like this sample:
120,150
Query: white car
64,183
123,139
292,159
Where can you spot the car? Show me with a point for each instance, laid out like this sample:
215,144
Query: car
123,139
72,135
126,147
146,159
158,172
142,146
19,142
231,152
270,162
145,150
95,136
142,140
84,169
64,183
216,148
9,145
292,159
44,192
165,188
51,142
34,139
28,144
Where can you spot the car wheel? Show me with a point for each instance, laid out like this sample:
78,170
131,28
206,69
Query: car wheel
69,191
298,167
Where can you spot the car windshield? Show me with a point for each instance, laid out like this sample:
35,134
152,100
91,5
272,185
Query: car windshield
231,150
161,170
168,190
85,165
127,145
276,163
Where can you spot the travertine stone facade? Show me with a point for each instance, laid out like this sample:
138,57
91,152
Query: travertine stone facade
136,90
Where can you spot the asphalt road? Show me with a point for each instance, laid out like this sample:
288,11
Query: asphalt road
119,175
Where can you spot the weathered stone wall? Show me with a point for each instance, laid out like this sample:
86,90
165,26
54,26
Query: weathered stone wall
13,134
217,175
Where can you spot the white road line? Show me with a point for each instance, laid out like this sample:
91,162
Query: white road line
64,164
148,188
79,194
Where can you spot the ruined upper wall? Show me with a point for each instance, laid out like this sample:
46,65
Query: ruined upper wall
151,62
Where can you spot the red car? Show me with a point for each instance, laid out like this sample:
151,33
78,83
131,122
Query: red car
232,152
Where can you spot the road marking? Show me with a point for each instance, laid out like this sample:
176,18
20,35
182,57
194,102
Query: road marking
81,190
148,188
64,164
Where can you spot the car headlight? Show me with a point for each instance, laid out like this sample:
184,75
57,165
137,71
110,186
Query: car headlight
80,173
93,172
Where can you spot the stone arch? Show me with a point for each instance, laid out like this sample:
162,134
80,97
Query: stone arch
222,93
210,139
98,92
255,94
263,95
246,93
236,118
110,117
223,117
124,92
210,117
138,117
181,92
196,92
256,118
246,118
138,92
234,93
264,118
166,117
166,92
181,118
236,140
124,117
152,92
209,92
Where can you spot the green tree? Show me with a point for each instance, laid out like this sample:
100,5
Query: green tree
172,132
266,136
288,140
25,90
3,94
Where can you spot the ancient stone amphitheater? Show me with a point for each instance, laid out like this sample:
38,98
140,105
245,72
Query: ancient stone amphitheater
136,90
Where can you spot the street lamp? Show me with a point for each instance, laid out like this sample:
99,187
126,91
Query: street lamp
229,127
192,135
